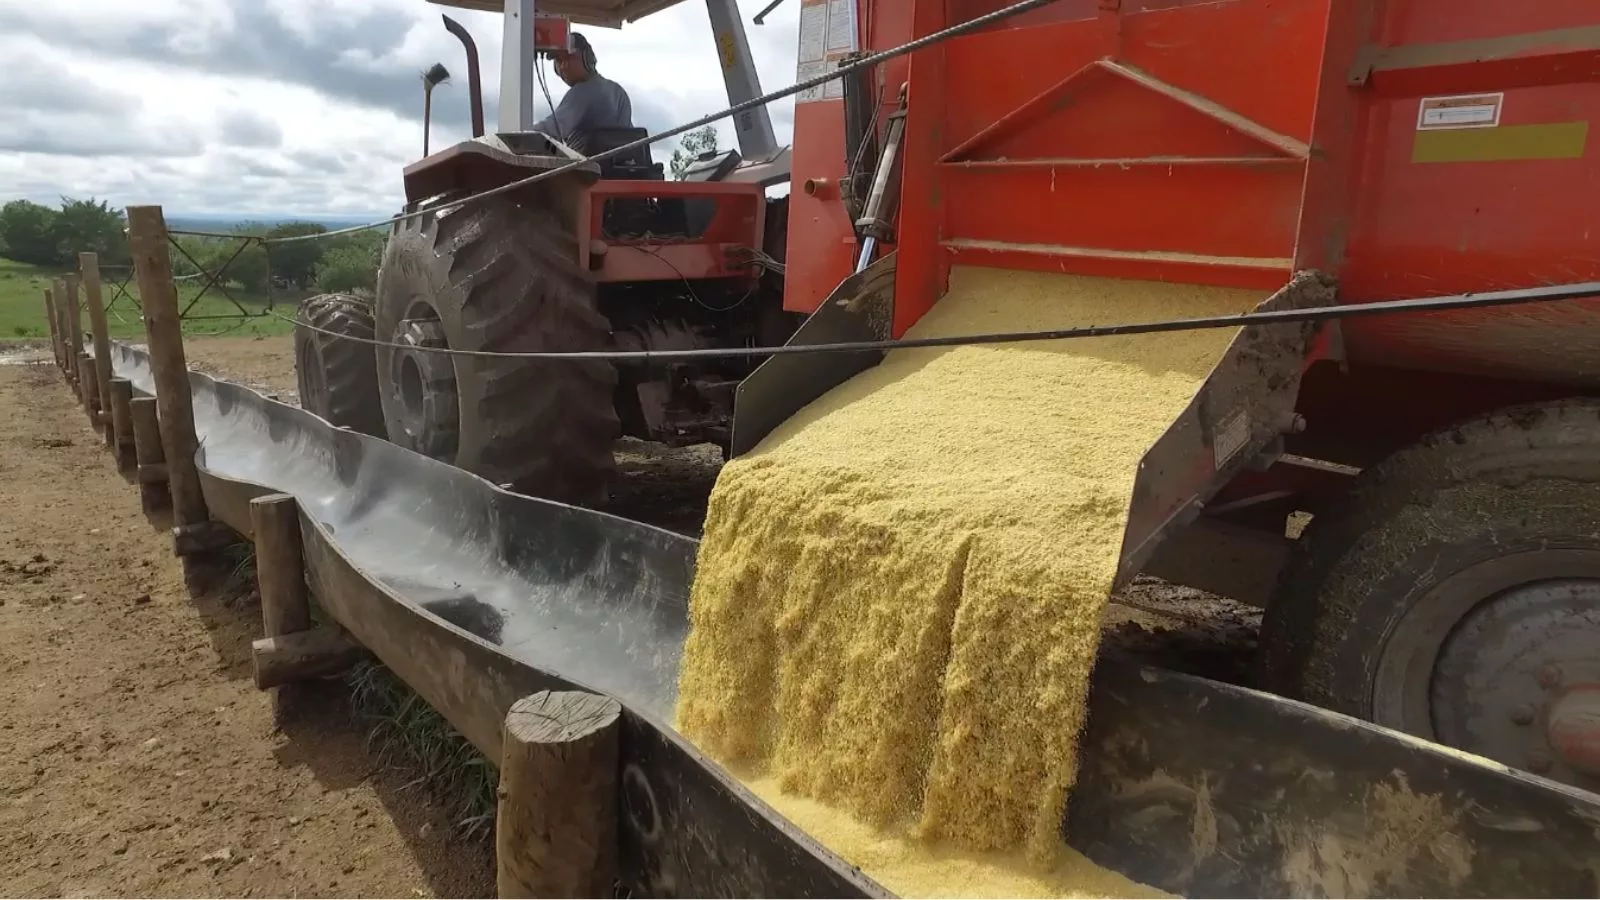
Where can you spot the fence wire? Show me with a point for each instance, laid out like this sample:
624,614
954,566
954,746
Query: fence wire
1335,312
120,290
217,280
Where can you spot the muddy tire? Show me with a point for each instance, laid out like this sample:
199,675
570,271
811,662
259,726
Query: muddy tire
338,379
495,276
1455,593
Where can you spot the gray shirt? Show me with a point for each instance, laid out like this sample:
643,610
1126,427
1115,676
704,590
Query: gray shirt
595,102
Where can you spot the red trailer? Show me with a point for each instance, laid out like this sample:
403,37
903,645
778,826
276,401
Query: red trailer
1449,581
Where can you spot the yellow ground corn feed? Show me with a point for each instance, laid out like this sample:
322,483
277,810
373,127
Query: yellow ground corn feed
898,594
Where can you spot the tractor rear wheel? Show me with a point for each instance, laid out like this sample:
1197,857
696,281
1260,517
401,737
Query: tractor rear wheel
1455,595
495,276
338,379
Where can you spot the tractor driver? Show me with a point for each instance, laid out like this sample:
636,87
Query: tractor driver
592,101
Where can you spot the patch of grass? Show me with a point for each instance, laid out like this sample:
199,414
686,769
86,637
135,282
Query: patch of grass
407,732
22,315
403,730
240,559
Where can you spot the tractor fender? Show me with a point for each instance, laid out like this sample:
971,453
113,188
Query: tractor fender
486,163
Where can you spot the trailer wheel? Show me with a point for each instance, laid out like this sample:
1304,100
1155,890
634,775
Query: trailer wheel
496,276
1455,595
338,379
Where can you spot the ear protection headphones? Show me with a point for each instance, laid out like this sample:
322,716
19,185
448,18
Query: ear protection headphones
580,46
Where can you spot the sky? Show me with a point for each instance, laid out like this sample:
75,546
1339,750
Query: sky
300,107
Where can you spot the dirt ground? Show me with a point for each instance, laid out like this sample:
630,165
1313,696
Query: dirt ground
265,364
136,757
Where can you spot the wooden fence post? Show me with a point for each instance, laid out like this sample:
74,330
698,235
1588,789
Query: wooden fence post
291,650
193,531
69,351
88,383
150,459
280,565
122,446
61,329
67,347
55,329
90,388
556,826
89,270
69,294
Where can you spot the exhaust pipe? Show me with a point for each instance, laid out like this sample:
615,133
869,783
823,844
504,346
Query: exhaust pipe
431,79
474,85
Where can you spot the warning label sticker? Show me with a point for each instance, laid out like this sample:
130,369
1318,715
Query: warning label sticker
805,72
842,25
1461,111
813,30
827,33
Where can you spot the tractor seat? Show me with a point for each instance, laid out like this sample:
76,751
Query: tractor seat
635,165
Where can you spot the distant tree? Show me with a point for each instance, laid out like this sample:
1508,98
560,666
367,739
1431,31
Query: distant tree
248,270
28,231
297,261
224,259
701,140
351,263
86,226
370,241
347,269
190,246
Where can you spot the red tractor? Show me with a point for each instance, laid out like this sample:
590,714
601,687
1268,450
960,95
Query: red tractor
612,255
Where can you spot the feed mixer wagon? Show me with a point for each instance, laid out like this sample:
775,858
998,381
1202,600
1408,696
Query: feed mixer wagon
1448,582
1319,151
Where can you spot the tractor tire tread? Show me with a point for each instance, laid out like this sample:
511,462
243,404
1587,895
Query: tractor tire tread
545,427
1324,603
349,392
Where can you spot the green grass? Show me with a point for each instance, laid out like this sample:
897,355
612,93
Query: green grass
403,731
22,315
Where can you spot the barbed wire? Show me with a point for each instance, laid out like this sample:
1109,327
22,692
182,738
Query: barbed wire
799,87
1548,294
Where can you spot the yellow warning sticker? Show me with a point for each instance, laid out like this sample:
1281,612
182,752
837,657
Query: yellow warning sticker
1556,140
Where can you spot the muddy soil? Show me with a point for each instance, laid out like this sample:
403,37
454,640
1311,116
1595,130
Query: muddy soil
136,757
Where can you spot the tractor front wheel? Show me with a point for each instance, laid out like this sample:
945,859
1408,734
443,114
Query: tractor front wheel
494,277
1455,595
334,366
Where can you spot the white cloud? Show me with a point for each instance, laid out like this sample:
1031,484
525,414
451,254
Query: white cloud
297,106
